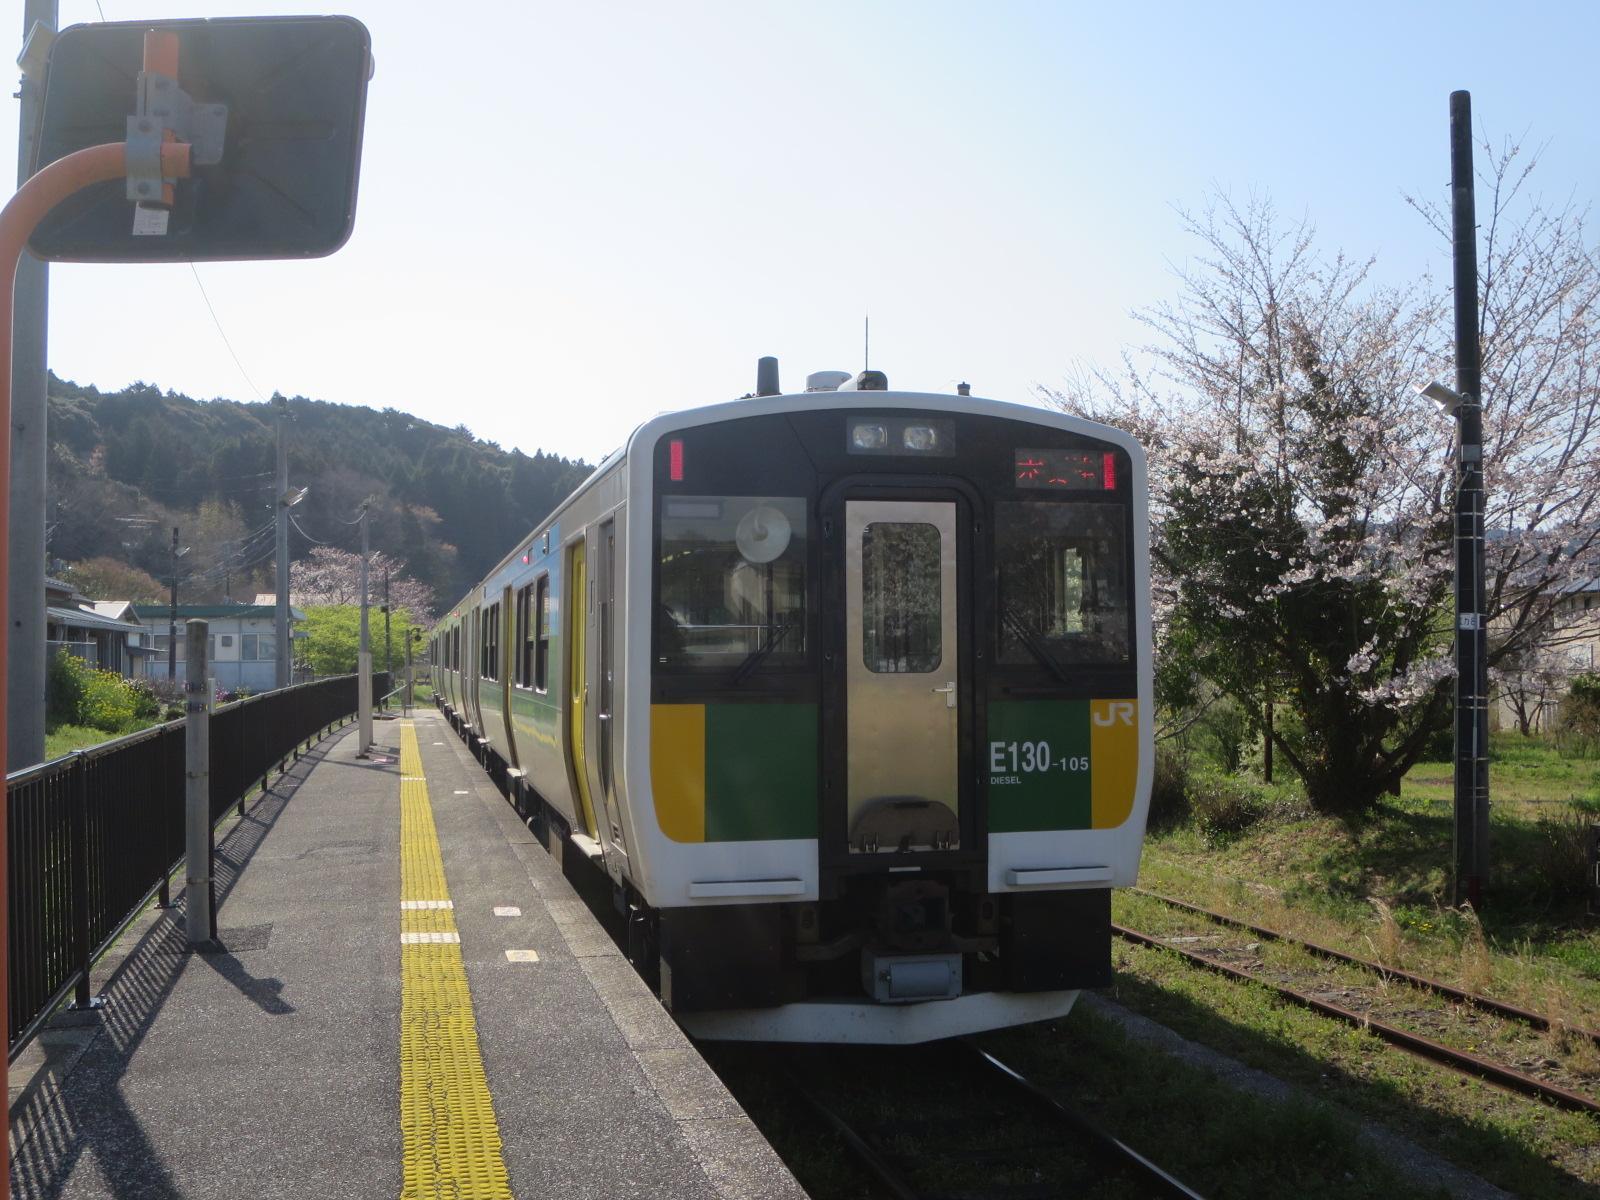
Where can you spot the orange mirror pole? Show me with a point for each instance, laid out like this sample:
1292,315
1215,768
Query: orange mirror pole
27,208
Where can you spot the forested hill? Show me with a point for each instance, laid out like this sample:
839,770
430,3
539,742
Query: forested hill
125,467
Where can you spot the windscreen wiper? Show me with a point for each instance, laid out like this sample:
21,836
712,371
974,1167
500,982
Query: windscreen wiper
1036,648
775,634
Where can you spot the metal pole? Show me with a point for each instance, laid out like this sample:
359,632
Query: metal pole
388,655
364,656
197,788
1472,683
172,615
410,682
29,448
282,600
18,219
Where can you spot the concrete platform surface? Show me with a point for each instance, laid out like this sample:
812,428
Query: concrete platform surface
275,1062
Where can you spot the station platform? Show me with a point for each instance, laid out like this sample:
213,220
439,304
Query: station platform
408,1000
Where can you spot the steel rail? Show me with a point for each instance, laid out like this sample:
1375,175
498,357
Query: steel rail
880,1166
1438,987
1108,1146
1095,1141
1460,1060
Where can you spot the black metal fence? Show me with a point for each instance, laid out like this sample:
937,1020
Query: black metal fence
94,835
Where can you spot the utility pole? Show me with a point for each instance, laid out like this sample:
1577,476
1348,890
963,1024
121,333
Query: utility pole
25,672
282,599
198,917
388,656
1472,676
364,654
172,614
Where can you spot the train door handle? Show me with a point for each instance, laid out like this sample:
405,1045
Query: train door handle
949,693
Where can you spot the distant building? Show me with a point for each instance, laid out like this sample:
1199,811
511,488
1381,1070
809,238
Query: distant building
243,641
1572,639
1578,618
102,633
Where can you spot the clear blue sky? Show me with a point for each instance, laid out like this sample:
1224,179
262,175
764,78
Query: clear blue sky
575,215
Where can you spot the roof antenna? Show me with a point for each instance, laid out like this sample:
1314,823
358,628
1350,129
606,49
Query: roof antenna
866,343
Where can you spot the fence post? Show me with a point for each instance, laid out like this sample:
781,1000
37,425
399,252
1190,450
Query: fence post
164,802
197,789
83,951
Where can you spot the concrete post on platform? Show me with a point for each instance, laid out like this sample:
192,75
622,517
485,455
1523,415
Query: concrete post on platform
197,786
410,681
364,654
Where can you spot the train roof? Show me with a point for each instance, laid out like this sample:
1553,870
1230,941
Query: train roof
649,432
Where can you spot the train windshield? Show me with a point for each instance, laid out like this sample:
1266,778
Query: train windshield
1063,583
733,585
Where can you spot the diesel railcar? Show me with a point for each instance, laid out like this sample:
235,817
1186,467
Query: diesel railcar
845,695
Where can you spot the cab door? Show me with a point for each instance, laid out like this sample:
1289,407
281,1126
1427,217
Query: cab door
904,694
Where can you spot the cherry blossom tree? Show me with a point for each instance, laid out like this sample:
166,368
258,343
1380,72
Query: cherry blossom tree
1302,494
330,576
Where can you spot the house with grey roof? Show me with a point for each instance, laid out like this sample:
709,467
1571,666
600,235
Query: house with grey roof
102,633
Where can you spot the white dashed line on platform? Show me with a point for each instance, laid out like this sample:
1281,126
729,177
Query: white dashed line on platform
438,743
507,910
462,792
522,956
414,939
413,904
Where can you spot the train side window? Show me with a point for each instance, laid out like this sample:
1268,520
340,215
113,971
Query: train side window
494,641
519,640
489,639
1063,582
541,651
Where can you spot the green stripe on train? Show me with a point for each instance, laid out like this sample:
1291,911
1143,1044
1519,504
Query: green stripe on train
761,772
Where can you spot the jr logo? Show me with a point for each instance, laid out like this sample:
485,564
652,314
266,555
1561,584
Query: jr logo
1117,712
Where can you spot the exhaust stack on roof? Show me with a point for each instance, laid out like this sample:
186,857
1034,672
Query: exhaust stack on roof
767,377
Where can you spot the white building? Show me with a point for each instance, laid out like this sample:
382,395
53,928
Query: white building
243,641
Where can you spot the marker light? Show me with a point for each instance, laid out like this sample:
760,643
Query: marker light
869,437
920,438
675,460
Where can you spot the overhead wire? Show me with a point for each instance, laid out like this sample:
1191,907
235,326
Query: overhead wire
224,335
293,521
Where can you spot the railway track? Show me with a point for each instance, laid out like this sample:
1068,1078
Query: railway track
1436,987
1450,1056
987,1133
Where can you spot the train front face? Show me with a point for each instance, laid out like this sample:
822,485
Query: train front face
898,709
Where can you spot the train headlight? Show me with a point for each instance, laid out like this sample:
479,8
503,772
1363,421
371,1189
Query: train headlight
920,438
869,437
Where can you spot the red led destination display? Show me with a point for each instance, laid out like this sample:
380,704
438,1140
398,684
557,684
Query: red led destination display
1066,470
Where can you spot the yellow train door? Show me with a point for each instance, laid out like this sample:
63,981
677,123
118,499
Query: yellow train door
577,621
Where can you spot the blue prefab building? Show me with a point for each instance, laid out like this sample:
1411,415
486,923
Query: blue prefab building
244,643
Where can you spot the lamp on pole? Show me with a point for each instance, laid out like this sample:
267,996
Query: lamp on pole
172,612
1464,404
286,501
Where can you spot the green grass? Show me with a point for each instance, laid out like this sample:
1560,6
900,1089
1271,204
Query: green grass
1526,1147
1221,1141
1319,877
64,739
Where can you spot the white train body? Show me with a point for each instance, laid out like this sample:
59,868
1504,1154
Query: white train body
846,693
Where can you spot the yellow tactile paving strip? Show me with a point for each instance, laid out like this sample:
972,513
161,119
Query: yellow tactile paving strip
452,1141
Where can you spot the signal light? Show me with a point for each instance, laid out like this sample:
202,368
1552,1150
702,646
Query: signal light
675,460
